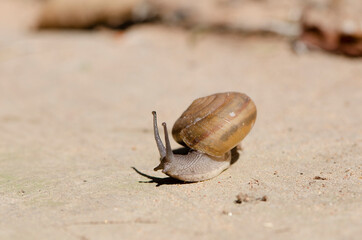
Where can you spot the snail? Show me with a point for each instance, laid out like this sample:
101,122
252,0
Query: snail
211,127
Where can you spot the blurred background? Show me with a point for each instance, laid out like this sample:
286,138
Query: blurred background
332,25
78,82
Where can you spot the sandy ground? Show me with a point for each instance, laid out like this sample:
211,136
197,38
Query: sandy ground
75,118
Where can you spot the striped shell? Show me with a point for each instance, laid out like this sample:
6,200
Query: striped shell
215,124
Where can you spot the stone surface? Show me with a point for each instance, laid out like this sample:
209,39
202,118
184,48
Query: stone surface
75,118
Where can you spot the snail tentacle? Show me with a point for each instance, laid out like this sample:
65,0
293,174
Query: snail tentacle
169,153
160,146
169,157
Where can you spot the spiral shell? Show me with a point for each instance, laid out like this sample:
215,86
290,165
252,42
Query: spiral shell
215,124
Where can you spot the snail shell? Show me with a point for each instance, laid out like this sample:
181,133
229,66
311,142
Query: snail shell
211,127
215,124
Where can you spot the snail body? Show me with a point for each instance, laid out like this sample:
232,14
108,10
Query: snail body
210,127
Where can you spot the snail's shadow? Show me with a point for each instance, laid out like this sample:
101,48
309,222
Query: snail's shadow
157,180
166,180
171,181
235,154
